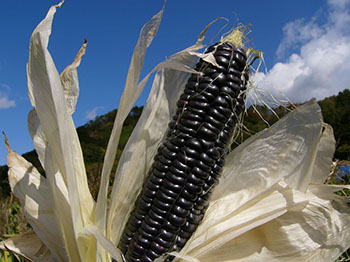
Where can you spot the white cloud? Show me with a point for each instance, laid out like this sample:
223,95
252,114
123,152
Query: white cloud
296,33
320,66
5,101
90,115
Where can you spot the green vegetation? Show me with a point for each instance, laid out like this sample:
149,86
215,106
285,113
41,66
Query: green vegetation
12,222
95,134
336,112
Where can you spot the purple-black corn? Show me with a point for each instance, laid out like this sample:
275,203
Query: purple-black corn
188,164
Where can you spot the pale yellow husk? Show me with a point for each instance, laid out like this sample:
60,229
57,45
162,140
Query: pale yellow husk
271,203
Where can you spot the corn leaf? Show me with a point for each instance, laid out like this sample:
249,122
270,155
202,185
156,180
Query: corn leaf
260,213
29,246
37,135
323,161
57,185
319,231
130,95
279,152
65,159
33,191
105,243
221,224
69,79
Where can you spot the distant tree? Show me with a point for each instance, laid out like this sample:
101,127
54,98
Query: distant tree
336,112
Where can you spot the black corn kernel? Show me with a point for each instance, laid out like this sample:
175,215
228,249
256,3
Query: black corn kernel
164,197
223,53
184,203
206,133
211,120
156,180
212,128
166,235
198,172
159,249
188,195
161,204
213,152
186,159
191,152
172,186
209,70
203,166
187,130
193,188
192,178
207,159
175,179
195,144
171,227
176,220
191,115
193,124
160,241
179,165
169,192
161,167
179,211
217,115
219,79
206,143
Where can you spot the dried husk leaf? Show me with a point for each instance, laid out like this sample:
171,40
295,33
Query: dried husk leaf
130,94
277,153
70,81
270,218
65,159
318,231
324,157
105,243
35,197
29,246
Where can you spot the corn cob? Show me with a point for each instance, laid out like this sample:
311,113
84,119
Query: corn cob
188,164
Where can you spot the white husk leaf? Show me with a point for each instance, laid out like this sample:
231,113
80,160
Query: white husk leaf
29,246
34,194
316,231
107,245
323,161
55,137
37,135
279,152
130,94
259,214
70,82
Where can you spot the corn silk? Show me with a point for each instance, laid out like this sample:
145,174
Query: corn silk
271,203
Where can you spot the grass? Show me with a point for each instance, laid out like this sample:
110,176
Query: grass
12,222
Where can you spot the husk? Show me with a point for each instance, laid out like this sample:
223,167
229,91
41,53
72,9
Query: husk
259,210
29,246
33,191
56,139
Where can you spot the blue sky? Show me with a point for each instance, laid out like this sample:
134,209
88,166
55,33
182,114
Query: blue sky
305,44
